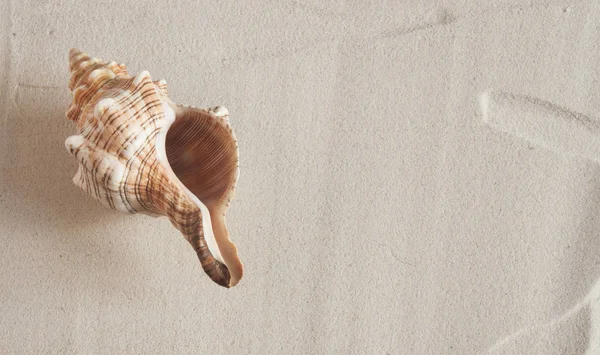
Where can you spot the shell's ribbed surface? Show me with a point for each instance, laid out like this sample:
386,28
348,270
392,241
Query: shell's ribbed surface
121,121
118,118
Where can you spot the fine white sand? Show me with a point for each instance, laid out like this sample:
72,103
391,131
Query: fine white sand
416,178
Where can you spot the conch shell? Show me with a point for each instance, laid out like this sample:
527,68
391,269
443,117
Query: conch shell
139,152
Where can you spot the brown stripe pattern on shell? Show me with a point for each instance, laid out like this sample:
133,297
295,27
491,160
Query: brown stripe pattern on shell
120,120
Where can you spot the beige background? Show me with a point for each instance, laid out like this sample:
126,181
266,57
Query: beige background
375,212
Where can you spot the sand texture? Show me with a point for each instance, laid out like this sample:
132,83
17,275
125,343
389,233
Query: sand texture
417,177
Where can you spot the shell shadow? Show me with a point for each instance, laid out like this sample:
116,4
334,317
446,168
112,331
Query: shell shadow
62,220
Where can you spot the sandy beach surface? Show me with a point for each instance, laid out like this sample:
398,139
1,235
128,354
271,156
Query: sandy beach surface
417,177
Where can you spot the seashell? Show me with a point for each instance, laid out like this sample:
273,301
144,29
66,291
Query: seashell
139,152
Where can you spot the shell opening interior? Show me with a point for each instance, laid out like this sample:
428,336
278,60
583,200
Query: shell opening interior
202,153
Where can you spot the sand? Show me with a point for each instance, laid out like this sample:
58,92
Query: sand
415,179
